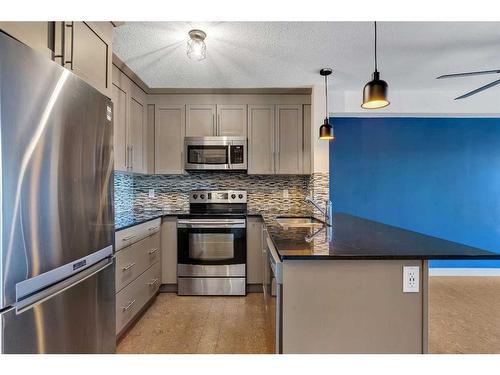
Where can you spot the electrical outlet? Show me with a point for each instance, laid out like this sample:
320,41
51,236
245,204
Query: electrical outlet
411,277
285,193
151,193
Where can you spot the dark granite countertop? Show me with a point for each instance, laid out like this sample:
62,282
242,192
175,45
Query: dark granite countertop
124,220
352,237
358,238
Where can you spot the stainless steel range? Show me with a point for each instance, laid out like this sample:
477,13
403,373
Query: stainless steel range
211,244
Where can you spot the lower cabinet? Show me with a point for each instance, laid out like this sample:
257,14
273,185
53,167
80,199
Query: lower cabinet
254,250
138,271
169,250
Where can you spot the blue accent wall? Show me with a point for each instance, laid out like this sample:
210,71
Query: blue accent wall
438,176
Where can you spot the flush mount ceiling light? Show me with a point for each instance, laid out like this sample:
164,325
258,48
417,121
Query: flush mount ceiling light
326,130
196,48
375,91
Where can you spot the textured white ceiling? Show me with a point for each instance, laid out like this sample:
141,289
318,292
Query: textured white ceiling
290,54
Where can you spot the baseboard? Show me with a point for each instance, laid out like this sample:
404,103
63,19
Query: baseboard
464,272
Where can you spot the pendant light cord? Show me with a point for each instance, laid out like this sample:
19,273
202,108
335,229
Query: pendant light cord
326,96
375,24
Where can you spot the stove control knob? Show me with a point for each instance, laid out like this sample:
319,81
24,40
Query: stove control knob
202,196
195,196
233,196
209,195
240,196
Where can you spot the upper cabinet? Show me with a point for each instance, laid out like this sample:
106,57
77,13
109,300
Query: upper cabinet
200,120
33,34
130,124
205,120
276,141
232,120
85,48
289,147
261,131
169,139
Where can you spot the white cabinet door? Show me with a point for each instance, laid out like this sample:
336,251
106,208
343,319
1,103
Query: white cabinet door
169,139
136,140
289,139
120,128
307,145
200,120
169,250
33,34
232,120
87,52
261,139
254,251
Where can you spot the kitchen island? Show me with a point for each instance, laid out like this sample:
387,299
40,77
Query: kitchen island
342,292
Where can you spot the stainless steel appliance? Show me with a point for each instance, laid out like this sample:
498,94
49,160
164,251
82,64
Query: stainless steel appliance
57,223
215,153
211,244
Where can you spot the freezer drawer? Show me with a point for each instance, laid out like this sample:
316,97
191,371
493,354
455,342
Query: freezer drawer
135,259
131,299
73,316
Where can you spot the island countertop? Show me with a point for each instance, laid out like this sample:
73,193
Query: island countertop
358,238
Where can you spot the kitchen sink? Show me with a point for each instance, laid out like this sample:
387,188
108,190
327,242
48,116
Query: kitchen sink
299,222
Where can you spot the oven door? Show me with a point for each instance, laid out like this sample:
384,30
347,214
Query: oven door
211,247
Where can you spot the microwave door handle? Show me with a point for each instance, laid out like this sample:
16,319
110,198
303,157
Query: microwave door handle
230,155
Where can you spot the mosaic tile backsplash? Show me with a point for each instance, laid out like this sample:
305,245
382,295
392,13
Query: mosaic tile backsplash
265,192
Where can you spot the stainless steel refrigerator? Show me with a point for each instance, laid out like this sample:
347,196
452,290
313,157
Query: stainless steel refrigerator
56,194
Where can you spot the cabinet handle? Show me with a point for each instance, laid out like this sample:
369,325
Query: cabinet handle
127,157
131,157
152,229
127,267
153,282
128,238
72,42
125,308
218,124
214,126
152,251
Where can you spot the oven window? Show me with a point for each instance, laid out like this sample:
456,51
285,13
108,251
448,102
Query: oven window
211,246
208,154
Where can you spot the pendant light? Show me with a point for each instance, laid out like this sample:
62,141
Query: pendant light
196,48
375,91
326,130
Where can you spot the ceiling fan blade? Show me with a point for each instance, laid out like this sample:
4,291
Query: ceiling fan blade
482,88
469,74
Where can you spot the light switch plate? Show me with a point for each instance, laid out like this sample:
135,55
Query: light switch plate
411,279
151,193
285,193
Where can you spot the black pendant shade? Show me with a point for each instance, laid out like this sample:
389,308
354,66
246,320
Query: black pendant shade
375,91
326,130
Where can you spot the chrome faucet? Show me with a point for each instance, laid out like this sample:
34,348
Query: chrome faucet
327,212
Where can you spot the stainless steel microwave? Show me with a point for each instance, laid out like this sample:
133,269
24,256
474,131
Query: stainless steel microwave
215,153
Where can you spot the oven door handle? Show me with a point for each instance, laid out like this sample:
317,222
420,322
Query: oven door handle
210,225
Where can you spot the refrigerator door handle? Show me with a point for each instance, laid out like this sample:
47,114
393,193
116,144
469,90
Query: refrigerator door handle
48,293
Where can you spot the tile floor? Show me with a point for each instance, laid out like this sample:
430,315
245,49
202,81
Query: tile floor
175,324
464,317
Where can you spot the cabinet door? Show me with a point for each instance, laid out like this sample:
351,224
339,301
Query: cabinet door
232,120
261,139
169,139
33,34
87,52
200,120
289,139
136,135
169,250
254,251
120,128
307,157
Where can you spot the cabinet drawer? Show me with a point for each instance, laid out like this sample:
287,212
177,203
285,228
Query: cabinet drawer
136,233
135,259
131,299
